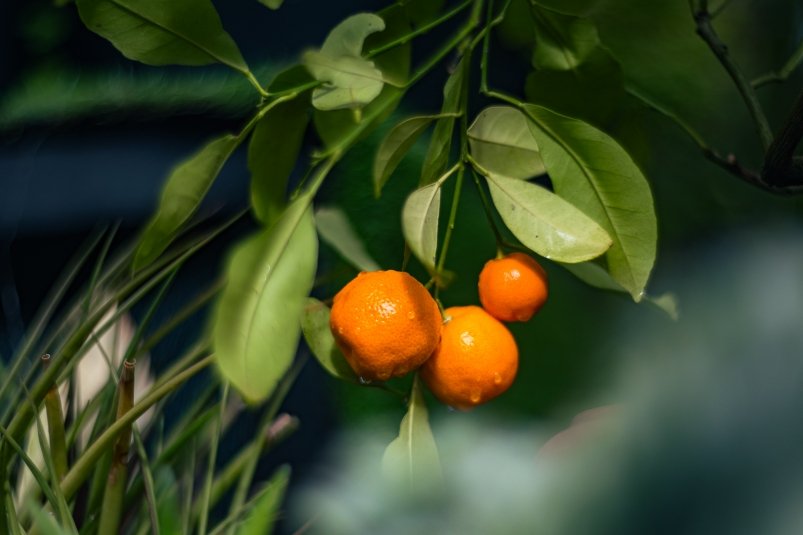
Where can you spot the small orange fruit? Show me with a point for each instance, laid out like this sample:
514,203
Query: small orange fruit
385,323
513,288
476,360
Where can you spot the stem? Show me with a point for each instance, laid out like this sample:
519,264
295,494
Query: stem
706,31
450,45
111,510
210,471
420,31
55,428
784,72
254,82
781,168
486,206
458,187
83,466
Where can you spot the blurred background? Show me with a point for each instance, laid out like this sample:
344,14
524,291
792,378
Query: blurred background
87,138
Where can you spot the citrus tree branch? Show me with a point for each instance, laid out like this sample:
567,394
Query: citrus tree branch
784,72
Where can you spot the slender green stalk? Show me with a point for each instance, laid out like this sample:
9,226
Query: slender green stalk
55,428
420,31
254,82
150,487
83,465
111,510
709,35
784,72
203,519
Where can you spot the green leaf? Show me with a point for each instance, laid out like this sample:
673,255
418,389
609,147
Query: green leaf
45,522
545,223
336,126
272,154
156,32
256,326
394,147
182,194
261,518
290,79
334,228
318,334
594,173
595,275
440,145
420,222
502,143
412,458
350,81
562,42
272,4
168,507
395,62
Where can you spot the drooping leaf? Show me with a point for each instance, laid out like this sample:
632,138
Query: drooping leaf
182,194
502,143
318,334
595,275
562,42
594,173
261,519
545,223
269,276
350,81
272,153
155,32
420,223
412,458
272,4
440,145
334,228
394,147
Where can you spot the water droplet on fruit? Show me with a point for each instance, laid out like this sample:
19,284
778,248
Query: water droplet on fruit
364,381
497,379
384,376
451,409
475,397
411,315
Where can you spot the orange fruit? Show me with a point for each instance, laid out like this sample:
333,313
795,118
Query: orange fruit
476,360
385,323
513,288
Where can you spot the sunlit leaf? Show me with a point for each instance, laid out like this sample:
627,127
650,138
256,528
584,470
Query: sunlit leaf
562,42
182,32
394,147
545,223
594,173
272,153
334,228
318,335
350,81
182,194
440,145
412,458
261,519
420,222
269,276
501,142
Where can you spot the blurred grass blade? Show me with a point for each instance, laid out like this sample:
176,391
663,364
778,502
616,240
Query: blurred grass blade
262,515
335,229
210,468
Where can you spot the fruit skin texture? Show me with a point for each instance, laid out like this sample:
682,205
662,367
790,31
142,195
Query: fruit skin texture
385,323
513,288
476,360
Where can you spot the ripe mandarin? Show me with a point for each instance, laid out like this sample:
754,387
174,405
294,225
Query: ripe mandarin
476,360
513,288
385,323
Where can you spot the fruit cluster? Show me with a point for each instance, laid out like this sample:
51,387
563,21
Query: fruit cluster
387,324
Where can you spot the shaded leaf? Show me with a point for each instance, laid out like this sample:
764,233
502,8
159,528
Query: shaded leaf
562,42
272,153
168,507
594,173
420,223
256,326
502,143
412,458
545,223
395,62
350,80
334,228
318,335
182,194
394,147
289,79
261,518
155,32
595,275
272,4
440,145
